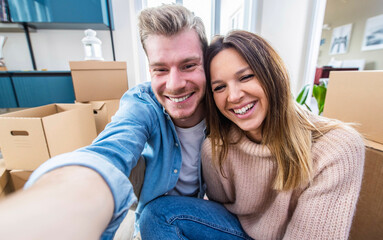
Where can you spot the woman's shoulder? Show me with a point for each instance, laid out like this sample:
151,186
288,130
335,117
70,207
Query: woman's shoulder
344,135
342,145
336,132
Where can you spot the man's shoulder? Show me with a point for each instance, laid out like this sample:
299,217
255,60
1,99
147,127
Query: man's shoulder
141,91
144,87
140,100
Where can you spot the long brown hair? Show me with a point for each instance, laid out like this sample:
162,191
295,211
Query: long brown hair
287,130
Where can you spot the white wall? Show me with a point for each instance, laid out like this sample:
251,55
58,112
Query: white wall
53,49
285,24
340,13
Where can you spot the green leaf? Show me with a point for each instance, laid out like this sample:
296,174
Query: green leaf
302,96
319,93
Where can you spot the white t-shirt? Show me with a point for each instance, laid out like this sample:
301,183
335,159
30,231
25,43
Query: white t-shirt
191,140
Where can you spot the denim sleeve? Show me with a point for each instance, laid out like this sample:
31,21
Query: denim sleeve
114,153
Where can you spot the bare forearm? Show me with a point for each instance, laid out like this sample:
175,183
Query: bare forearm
67,203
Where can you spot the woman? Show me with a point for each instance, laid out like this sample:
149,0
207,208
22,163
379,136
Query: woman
281,171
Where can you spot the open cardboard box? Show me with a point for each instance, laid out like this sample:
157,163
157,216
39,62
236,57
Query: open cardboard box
357,97
30,137
103,112
98,80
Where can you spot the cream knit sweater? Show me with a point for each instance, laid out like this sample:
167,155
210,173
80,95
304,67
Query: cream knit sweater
322,210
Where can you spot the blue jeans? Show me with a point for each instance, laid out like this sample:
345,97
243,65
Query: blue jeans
176,217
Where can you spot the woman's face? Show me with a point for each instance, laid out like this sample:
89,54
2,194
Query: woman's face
237,92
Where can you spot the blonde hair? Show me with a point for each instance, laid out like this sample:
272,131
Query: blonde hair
287,129
168,20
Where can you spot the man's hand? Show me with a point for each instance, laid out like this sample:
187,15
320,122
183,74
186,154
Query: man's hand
67,203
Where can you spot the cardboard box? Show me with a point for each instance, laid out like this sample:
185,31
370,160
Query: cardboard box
357,97
30,137
368,219
99,80
19,178
103,112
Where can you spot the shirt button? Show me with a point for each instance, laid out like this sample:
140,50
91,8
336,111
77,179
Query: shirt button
175,171
176,144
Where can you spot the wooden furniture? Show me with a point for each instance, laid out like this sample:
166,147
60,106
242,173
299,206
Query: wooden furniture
35,88
324,72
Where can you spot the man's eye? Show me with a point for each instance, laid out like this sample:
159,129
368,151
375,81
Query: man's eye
218,88
159,70
189,66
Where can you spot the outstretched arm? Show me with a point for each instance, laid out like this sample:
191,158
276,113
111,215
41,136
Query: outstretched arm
67,203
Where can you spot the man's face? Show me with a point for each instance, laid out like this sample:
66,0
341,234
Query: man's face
178,77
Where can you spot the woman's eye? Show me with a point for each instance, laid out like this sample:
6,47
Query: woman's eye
218,88
246,77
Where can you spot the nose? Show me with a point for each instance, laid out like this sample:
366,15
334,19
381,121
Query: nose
235,93
175,80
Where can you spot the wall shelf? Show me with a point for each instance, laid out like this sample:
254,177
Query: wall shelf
35,88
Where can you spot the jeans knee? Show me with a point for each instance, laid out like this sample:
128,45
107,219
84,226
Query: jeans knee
154,211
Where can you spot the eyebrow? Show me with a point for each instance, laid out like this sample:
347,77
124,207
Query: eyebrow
238,73
242,71
189,59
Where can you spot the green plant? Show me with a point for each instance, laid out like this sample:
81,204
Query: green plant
302,96
319,93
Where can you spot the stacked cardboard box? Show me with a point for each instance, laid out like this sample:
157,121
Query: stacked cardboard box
101,84
30,137
357,97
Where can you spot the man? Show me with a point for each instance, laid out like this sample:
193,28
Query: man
77,195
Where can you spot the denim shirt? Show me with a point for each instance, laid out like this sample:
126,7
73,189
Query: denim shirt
141,126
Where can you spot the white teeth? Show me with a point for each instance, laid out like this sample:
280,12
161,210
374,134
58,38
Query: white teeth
244,109
179,99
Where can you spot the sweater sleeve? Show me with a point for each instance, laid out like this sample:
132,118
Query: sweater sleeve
326,207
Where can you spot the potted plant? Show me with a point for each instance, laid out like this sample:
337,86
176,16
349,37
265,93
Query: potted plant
319,93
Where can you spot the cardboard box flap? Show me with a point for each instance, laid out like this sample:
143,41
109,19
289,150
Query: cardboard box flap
61,130
356,96
4,175
68,107
96,65
374,145
36,112
97,105
19,178
23,175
